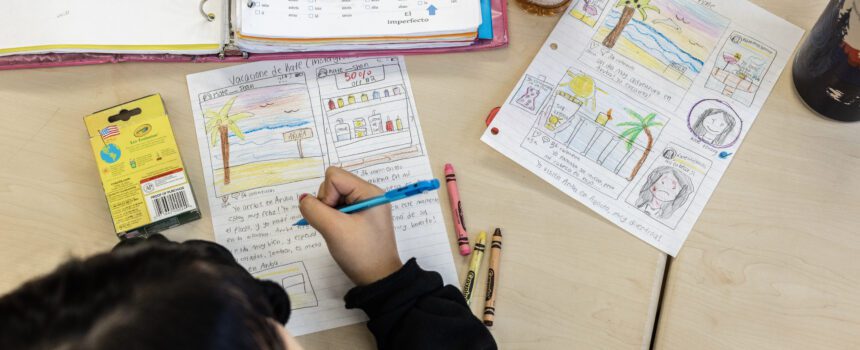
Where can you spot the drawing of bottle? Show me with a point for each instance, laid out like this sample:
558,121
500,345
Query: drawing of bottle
389,126
360,127
376,124
386,93
396,91
339,102
341,130
398,123
375,95
363,97
331,104
351,99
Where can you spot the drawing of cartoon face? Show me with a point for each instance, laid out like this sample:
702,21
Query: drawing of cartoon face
664,191
716,126
715,123
666,188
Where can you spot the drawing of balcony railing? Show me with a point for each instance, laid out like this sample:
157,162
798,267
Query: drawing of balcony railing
594,140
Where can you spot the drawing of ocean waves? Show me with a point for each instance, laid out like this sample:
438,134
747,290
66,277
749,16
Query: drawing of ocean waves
655,43
292,123
265,142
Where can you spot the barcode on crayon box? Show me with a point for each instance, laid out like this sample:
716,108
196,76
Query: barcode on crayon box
171,202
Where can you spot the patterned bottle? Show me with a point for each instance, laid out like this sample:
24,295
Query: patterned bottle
827,67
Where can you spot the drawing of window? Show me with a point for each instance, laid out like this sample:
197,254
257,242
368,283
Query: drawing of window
295,280
377,124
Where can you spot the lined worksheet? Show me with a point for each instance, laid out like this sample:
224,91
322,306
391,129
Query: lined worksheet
637,108
268,130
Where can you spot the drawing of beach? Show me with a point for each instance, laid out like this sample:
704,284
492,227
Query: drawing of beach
672,38
248,146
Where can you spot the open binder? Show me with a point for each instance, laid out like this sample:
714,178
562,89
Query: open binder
61,33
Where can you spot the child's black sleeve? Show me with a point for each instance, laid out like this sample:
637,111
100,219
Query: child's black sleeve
411,309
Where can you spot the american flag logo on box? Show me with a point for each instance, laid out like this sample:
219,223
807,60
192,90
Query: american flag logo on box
108,132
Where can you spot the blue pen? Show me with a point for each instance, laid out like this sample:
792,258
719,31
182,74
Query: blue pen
390,196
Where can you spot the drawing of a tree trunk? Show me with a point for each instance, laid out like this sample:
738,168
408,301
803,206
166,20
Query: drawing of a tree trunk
642,124
218,126
644,155
225,152
626,15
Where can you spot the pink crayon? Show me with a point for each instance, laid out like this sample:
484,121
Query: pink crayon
457,211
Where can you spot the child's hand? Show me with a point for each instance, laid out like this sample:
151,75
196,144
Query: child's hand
361,243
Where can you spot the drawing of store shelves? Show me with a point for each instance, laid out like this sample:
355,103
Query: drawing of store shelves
371,122
579,130
294,278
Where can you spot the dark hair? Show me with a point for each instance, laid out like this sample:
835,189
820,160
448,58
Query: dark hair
155,294
668,208
720,139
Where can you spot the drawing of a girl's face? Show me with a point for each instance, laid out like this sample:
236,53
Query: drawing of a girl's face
666,188
715,123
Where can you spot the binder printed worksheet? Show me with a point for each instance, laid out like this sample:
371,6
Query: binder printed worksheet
369,18
636,108
268,130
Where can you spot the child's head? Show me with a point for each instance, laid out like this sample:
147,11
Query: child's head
154,294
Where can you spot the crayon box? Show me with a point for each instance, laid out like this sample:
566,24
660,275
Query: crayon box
142,174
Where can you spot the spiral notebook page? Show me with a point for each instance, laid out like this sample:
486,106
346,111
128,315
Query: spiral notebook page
637,111
268,130
128,26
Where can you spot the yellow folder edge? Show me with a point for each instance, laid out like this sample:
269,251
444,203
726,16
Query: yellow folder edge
83,47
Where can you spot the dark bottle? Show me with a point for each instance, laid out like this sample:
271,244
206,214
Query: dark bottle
827,67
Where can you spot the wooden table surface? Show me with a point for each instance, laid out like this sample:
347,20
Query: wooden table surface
767,266
772,262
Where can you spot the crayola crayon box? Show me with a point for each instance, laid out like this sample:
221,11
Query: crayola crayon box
144,180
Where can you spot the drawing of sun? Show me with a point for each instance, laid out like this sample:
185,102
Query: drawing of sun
672,38
252,150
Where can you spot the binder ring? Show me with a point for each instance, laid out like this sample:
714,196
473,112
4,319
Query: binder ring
209,16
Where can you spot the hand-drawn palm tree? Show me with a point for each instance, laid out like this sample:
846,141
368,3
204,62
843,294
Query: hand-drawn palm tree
626,15
218,124
642,124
